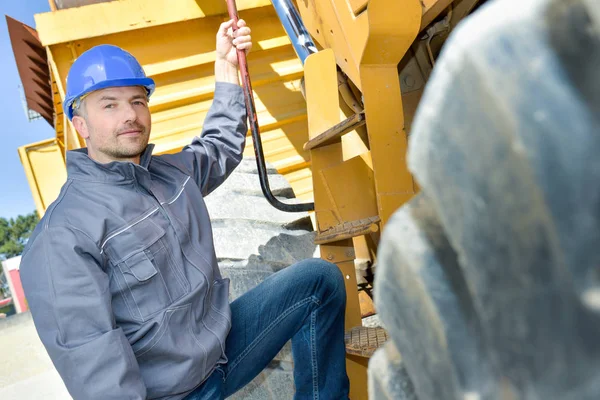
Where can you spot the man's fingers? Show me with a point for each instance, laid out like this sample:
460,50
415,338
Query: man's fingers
245,31
242,39
224,27
241,23
244,46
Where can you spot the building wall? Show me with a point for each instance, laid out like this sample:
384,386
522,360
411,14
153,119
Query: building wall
11,269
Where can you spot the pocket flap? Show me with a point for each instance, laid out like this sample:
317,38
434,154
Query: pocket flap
140,266
133,239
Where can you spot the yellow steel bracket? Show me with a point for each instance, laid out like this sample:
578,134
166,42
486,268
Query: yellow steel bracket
393,26
334,25
323,112
368,43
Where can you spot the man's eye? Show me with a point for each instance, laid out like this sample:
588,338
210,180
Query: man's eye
109,106
139,103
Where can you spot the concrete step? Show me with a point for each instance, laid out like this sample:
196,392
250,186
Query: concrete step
248,165
248,207
248,183
240,239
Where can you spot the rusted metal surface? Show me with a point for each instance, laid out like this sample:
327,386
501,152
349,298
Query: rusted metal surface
335,133
348,230
363,341
32,64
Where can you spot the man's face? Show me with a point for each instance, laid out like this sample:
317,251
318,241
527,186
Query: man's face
116,123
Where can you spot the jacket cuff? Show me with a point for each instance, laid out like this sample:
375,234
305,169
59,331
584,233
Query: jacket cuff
229,90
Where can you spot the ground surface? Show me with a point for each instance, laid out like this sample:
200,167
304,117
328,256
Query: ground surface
26,371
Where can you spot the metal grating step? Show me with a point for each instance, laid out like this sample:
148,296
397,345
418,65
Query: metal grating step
348,230
363,341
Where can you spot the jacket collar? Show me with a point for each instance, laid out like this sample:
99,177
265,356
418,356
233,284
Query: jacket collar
81,166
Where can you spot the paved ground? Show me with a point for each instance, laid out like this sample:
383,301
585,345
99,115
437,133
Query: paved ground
26,371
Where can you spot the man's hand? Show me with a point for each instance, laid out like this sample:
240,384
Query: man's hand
228,41
227,44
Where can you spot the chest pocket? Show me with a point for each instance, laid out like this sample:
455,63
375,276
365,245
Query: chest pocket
144,278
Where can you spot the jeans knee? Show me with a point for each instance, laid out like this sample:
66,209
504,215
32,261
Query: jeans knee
331,279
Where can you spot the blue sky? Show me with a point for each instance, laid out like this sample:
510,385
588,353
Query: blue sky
16,130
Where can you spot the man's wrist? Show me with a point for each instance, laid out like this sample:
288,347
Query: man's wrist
226,72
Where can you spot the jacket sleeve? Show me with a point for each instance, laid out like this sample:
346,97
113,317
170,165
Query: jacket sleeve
70,301
211,157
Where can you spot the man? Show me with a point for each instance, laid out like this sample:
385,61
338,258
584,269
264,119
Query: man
121,274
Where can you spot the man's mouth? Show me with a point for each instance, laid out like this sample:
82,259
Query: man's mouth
131,132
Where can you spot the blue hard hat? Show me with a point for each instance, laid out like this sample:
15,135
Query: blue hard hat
102,67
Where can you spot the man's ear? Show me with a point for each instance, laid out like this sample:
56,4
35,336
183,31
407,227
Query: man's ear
81,126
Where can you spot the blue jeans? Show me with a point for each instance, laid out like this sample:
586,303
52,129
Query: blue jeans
306,303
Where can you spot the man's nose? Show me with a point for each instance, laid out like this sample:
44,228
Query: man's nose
129,113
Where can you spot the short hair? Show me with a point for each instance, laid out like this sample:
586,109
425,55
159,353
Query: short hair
79,108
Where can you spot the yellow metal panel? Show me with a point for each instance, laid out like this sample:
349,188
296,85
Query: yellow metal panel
45,171
356,366
342,254
301,182
324,112
358,6
126,15
393,28
388,138
184,46
281,145
334,26
321,92
351,188
353,145
180,58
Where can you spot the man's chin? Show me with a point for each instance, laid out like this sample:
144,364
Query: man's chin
131,149
125,154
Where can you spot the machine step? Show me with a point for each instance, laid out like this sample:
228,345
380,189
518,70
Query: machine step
334,133
363,341
348,230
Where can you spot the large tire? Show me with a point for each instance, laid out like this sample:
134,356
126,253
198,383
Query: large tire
252,241
489,281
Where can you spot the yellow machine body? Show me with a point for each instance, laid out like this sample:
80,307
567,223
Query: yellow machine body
175,46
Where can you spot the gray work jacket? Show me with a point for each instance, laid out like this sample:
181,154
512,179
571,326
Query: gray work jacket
121,274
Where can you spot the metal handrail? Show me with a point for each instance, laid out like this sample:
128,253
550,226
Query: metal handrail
258,150
295,29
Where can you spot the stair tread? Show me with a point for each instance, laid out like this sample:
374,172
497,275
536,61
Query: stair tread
334,133
348,230
363,341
